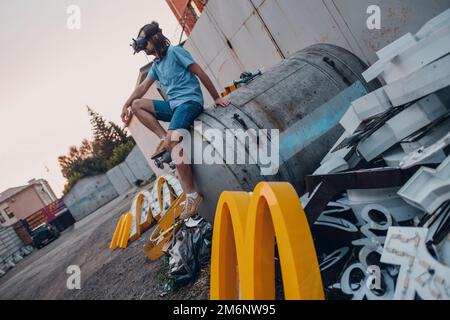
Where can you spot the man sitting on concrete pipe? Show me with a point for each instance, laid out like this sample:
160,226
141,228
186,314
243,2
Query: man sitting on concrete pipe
176,71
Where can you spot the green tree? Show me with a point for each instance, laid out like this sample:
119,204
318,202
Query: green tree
110,145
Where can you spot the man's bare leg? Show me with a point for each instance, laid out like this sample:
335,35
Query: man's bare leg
184,169
185,173
144,110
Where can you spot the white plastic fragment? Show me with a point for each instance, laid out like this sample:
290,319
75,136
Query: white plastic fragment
428,189
348,154
365,108
387,54
413,118
445,252
428,139
434,24
422,155
426,51
328,218
420,273
399,209
341,153
425,81
333,165
409,53
395,157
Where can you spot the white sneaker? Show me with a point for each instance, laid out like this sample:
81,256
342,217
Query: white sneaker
191,207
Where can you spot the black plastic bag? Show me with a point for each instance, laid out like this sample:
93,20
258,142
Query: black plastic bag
190,250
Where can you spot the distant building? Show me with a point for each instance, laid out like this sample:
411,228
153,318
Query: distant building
18,203
187,12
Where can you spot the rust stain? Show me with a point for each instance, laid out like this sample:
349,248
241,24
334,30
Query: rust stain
270,115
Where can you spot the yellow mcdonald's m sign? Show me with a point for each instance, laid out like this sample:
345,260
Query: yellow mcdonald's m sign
243,247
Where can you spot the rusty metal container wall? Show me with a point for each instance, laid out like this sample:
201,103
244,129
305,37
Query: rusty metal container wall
243,35
282,96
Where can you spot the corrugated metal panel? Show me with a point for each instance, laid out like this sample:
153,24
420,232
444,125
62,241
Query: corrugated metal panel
225,68
207,38
397,19
253,45
297,24
229,15
258,36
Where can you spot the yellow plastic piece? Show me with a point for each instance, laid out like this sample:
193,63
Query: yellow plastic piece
125,234
164,230
227,90
146,218
160,194
135,229
242,260
122,232
117,234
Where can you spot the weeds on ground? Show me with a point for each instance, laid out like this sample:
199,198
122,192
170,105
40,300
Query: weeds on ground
162,272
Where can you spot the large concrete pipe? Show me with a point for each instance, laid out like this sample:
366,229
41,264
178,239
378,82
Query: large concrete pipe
284,96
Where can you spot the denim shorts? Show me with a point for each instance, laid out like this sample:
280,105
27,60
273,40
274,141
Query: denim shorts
182,117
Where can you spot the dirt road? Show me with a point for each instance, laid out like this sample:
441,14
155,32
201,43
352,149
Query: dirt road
105,274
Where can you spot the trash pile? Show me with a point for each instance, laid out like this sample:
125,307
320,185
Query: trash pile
379,204
187,252
190,250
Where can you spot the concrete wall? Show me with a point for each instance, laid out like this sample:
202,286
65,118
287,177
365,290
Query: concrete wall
138,165
119,180
88,195
135,167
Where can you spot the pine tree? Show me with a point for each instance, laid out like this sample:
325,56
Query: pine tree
119,133
104,140
109,147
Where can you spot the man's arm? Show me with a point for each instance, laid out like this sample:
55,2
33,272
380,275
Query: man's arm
138,93
198,71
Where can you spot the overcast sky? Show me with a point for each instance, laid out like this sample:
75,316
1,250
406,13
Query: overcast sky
48,74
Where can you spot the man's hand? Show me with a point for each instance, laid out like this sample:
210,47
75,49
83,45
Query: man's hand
126,116
138,93
200,73
222,102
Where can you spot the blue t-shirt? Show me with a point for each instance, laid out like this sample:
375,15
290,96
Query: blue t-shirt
179,84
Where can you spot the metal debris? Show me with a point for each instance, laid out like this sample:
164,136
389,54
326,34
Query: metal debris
428,189
382,193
